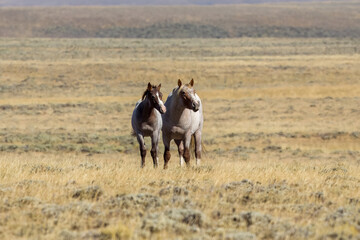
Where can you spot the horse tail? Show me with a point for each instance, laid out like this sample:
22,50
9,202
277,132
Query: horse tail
203,149
192,146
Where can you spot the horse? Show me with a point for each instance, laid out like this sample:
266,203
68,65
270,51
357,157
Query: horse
146,121
182,121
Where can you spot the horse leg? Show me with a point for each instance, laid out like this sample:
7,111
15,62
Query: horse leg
167,154
198,147
154,148
187,141
180,145
141,141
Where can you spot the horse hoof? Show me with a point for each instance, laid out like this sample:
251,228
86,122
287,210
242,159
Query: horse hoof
198,162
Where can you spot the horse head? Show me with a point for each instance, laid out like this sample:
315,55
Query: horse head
154,95
187,94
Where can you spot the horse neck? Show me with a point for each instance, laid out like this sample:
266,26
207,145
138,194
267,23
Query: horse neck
177,108
147,109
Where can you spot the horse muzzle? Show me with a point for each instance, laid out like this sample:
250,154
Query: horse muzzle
195,106
162,109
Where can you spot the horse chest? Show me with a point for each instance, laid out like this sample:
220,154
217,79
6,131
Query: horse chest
149,126
177,131
177,126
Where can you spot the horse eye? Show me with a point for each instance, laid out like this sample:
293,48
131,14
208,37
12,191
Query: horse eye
153,97
183,93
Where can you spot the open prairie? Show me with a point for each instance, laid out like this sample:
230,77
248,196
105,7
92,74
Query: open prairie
281,132
337,19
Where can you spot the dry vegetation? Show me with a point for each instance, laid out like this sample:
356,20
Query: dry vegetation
281,132
131,2
315,19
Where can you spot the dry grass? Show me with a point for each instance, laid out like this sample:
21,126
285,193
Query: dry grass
60,196
314,19
281,132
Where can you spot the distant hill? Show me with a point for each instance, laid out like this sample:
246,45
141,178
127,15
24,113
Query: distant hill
305,20
132,2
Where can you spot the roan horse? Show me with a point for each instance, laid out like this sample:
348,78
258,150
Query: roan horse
146,121
182,120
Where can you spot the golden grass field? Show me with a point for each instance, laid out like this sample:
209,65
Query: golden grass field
281,132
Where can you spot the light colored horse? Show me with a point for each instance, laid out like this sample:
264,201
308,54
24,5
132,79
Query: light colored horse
182,120
146,121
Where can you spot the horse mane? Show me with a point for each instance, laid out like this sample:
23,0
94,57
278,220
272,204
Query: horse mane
146,92
177,90
144,95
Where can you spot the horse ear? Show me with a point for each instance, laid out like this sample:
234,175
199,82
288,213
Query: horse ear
149,86
179,83
159,87
192,82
